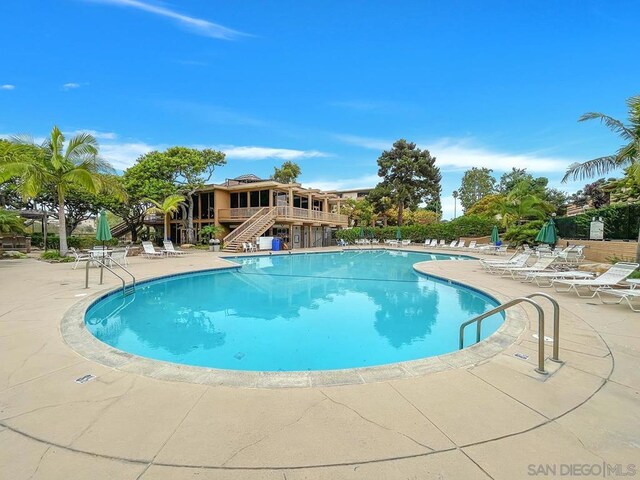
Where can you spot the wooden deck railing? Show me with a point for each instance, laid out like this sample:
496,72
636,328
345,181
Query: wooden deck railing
284,213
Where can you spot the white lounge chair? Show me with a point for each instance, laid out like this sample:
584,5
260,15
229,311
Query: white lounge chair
519,260
626,294
406,243
540,265
441,244
150,252
427,243
472,245
503,261
461,244
616,274
545,279
169,248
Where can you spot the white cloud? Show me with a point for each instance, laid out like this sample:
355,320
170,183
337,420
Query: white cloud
7,86
366,181
96,134
453,153
123,155
366,142
197,25
261,153
70,86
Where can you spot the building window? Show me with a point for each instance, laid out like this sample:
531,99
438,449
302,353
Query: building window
254,198
243,199
234,200
264,198
208,210
196,206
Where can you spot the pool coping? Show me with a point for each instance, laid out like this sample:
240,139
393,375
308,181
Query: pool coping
75,334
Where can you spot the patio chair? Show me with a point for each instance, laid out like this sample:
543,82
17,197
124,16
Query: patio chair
453,244
520,260
170,249
461,244
545,279
441,244
434,243
119,256
427,243
79,257
406,243
540,265
472,245
342,243
626,294
616,274
150,252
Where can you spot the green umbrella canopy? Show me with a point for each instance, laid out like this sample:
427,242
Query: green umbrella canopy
541,234
103,232
548,233
495,237
398,234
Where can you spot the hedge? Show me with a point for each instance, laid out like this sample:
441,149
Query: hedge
621,222
465,226
75,241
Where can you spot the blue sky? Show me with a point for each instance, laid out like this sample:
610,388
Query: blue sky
327,84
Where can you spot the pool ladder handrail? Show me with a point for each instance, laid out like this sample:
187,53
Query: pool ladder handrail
126,290
478,321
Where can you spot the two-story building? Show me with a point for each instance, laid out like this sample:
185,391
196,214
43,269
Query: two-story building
249,207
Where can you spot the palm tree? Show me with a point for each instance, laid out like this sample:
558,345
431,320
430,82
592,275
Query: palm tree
10,222
59,169
167,207
519,205
627,156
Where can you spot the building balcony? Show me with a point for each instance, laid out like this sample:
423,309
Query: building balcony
285,214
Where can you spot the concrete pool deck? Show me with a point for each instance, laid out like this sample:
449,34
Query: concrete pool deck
493,417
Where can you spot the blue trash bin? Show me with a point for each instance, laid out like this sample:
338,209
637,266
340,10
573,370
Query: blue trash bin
275,244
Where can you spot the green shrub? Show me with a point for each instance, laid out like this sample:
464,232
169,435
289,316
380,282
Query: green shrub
465,226
53,256
75,241
525,233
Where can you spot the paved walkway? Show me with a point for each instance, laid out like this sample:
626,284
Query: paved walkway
493,419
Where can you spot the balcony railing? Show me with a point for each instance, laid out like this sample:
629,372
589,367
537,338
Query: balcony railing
284,213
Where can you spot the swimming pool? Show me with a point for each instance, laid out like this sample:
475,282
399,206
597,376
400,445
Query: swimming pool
294,313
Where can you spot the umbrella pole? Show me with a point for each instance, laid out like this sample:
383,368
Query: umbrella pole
102,264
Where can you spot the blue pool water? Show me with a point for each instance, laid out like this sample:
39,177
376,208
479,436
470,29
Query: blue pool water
294,312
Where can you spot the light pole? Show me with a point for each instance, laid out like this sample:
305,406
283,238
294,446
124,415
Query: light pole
455,202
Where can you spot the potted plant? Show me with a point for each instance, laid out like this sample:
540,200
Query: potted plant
209,234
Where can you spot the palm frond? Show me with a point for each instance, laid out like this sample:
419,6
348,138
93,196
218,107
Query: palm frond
80,146
613,124
55,144
82,178
23,139
591,168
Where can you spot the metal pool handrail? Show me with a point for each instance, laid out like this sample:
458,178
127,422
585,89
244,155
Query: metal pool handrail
478,321
556,324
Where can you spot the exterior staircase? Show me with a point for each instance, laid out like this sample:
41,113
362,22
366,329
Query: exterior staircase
252,228
119,230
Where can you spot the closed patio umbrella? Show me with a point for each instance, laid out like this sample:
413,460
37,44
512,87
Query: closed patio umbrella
398,234
103,232
495,237
547,233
